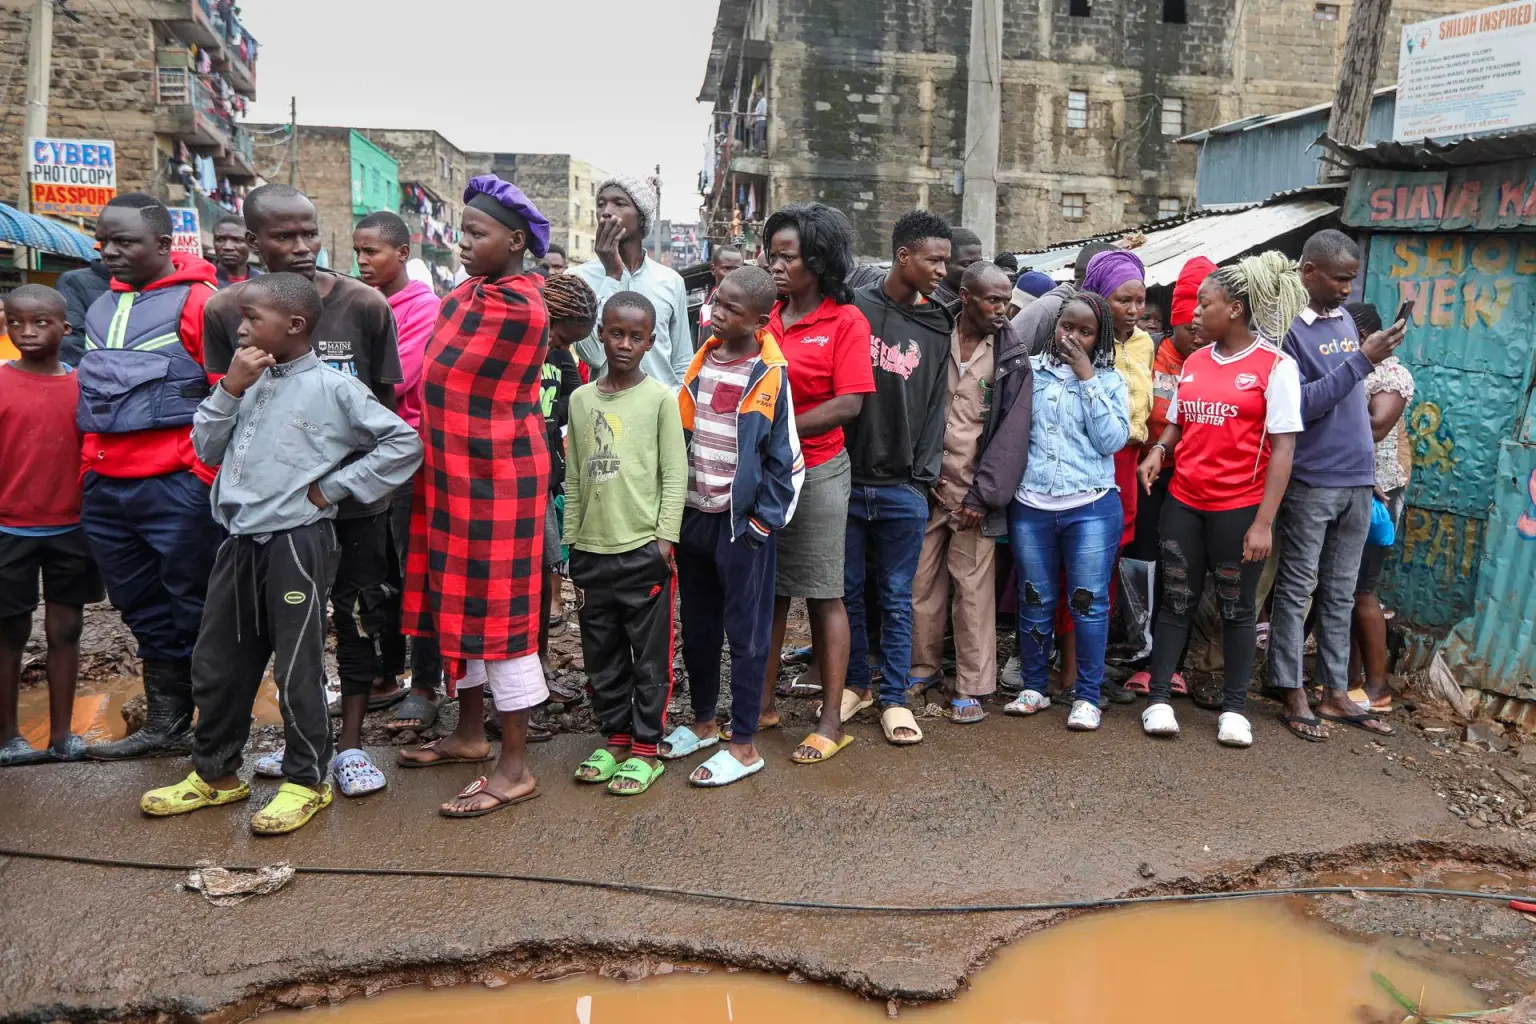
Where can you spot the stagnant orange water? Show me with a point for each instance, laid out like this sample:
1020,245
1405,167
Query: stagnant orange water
1254,963
98,709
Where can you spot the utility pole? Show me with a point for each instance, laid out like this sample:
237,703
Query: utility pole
293,140
656,228
35,107
1357,79
983,122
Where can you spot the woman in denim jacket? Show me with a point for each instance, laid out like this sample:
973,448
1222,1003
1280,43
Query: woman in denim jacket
1065,519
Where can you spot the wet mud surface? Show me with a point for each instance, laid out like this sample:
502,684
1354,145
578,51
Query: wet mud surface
1005,811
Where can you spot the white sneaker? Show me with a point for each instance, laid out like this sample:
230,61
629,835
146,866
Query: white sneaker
1159,720
1085,717
1027,703
1233,730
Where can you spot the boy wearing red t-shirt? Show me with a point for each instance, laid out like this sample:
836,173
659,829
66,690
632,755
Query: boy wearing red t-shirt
145,506
40,521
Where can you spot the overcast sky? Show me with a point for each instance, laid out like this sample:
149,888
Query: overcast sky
607,81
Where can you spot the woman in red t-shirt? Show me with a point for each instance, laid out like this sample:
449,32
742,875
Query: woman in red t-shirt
826,341
1234,420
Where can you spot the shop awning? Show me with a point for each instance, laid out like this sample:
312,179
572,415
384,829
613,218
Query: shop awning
46,235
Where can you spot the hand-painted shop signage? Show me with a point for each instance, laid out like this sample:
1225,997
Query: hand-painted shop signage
1495,197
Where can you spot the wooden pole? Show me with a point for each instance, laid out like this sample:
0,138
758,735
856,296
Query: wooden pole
1357,79
35,111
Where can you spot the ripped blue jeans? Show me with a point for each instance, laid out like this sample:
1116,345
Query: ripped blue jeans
1084,541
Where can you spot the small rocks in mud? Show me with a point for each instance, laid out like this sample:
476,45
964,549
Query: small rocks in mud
1485,734
892,1009
1145,870
135,712
796,978
554,972
301,996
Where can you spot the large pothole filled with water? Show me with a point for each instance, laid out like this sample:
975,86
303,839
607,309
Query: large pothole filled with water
1256,962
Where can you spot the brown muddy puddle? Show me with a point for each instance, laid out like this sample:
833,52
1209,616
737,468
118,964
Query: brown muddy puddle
1215,963
99,705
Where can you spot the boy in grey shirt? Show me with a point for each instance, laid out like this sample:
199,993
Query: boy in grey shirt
292,438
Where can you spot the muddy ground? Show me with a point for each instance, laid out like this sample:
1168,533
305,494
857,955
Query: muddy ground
1003,812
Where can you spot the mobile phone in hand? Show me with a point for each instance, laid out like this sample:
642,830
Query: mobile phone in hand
1404,312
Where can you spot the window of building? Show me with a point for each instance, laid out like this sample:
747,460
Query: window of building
1073,205
1080,9
1077,109
1173,115
1169,206
1325,12
1173,11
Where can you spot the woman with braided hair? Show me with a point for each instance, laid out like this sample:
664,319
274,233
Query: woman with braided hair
1066,512
572,306
1233,421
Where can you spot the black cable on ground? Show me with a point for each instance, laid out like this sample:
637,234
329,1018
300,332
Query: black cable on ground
663,890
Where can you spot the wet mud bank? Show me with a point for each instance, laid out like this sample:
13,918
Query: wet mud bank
1480,943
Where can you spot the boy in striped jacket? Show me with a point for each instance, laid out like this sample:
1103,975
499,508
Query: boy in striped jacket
744,475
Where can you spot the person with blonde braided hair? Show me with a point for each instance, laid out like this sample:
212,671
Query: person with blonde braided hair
1233,420
1273,289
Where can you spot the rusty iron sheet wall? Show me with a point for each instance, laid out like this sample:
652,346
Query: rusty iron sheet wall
1495,647
1469,347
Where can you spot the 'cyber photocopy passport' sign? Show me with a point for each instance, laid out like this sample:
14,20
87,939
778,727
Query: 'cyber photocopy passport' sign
71,177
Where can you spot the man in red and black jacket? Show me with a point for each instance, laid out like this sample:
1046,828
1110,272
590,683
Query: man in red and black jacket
146,512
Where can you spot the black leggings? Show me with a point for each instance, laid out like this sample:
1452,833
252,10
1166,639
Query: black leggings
1192,543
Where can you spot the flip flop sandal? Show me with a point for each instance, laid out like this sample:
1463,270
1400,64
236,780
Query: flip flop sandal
852,703
895,717
1208,693
723,770
800,655
1292,721
356,774
966,711
388,700
604,763
683,742
269,766
439,758
190,794
291,808
825,749
415,707
1380,706
538,734
481,785
635,770
18,753
1358,721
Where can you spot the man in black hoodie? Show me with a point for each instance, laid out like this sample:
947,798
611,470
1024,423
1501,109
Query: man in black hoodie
80,288
895,447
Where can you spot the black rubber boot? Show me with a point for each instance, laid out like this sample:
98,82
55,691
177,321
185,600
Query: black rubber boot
168,725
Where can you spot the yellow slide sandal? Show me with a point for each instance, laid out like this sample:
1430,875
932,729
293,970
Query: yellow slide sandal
825,749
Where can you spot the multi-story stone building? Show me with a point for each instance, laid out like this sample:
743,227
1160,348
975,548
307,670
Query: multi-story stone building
165,80
866,104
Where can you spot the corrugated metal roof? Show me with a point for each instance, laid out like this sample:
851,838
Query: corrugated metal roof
1244,124
41,233
1432,155
1218,236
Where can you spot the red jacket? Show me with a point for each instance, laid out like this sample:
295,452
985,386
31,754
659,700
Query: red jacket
148,453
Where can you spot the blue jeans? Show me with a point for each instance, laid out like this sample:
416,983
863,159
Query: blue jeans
1084,541
887,524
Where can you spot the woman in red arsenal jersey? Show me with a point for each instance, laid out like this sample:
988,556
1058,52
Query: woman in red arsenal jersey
1234,419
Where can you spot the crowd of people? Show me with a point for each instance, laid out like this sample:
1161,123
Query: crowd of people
242,460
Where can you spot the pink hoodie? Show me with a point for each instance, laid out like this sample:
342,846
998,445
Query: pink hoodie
415,307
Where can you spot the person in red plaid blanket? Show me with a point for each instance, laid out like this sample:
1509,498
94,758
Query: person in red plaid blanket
477,527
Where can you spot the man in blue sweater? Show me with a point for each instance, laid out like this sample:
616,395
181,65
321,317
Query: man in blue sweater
1326,513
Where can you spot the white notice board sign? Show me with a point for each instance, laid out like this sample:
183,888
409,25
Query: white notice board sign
1467,73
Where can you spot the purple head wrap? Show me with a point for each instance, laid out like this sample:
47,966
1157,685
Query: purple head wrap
1109,270
489,194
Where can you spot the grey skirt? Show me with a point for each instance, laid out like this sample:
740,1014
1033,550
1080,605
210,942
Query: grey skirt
811,544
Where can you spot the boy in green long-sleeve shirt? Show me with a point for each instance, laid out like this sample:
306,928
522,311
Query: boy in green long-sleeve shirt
626,483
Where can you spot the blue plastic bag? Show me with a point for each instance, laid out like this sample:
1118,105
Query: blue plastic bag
1382,533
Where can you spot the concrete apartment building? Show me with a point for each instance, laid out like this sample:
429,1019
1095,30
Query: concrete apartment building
871,104
165,80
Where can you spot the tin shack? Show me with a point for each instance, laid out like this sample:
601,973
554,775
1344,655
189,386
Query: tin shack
1452,227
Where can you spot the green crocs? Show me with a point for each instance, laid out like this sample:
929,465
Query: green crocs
637,771
603,765
190,794
291,808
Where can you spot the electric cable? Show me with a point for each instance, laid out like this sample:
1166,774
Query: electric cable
1051,906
